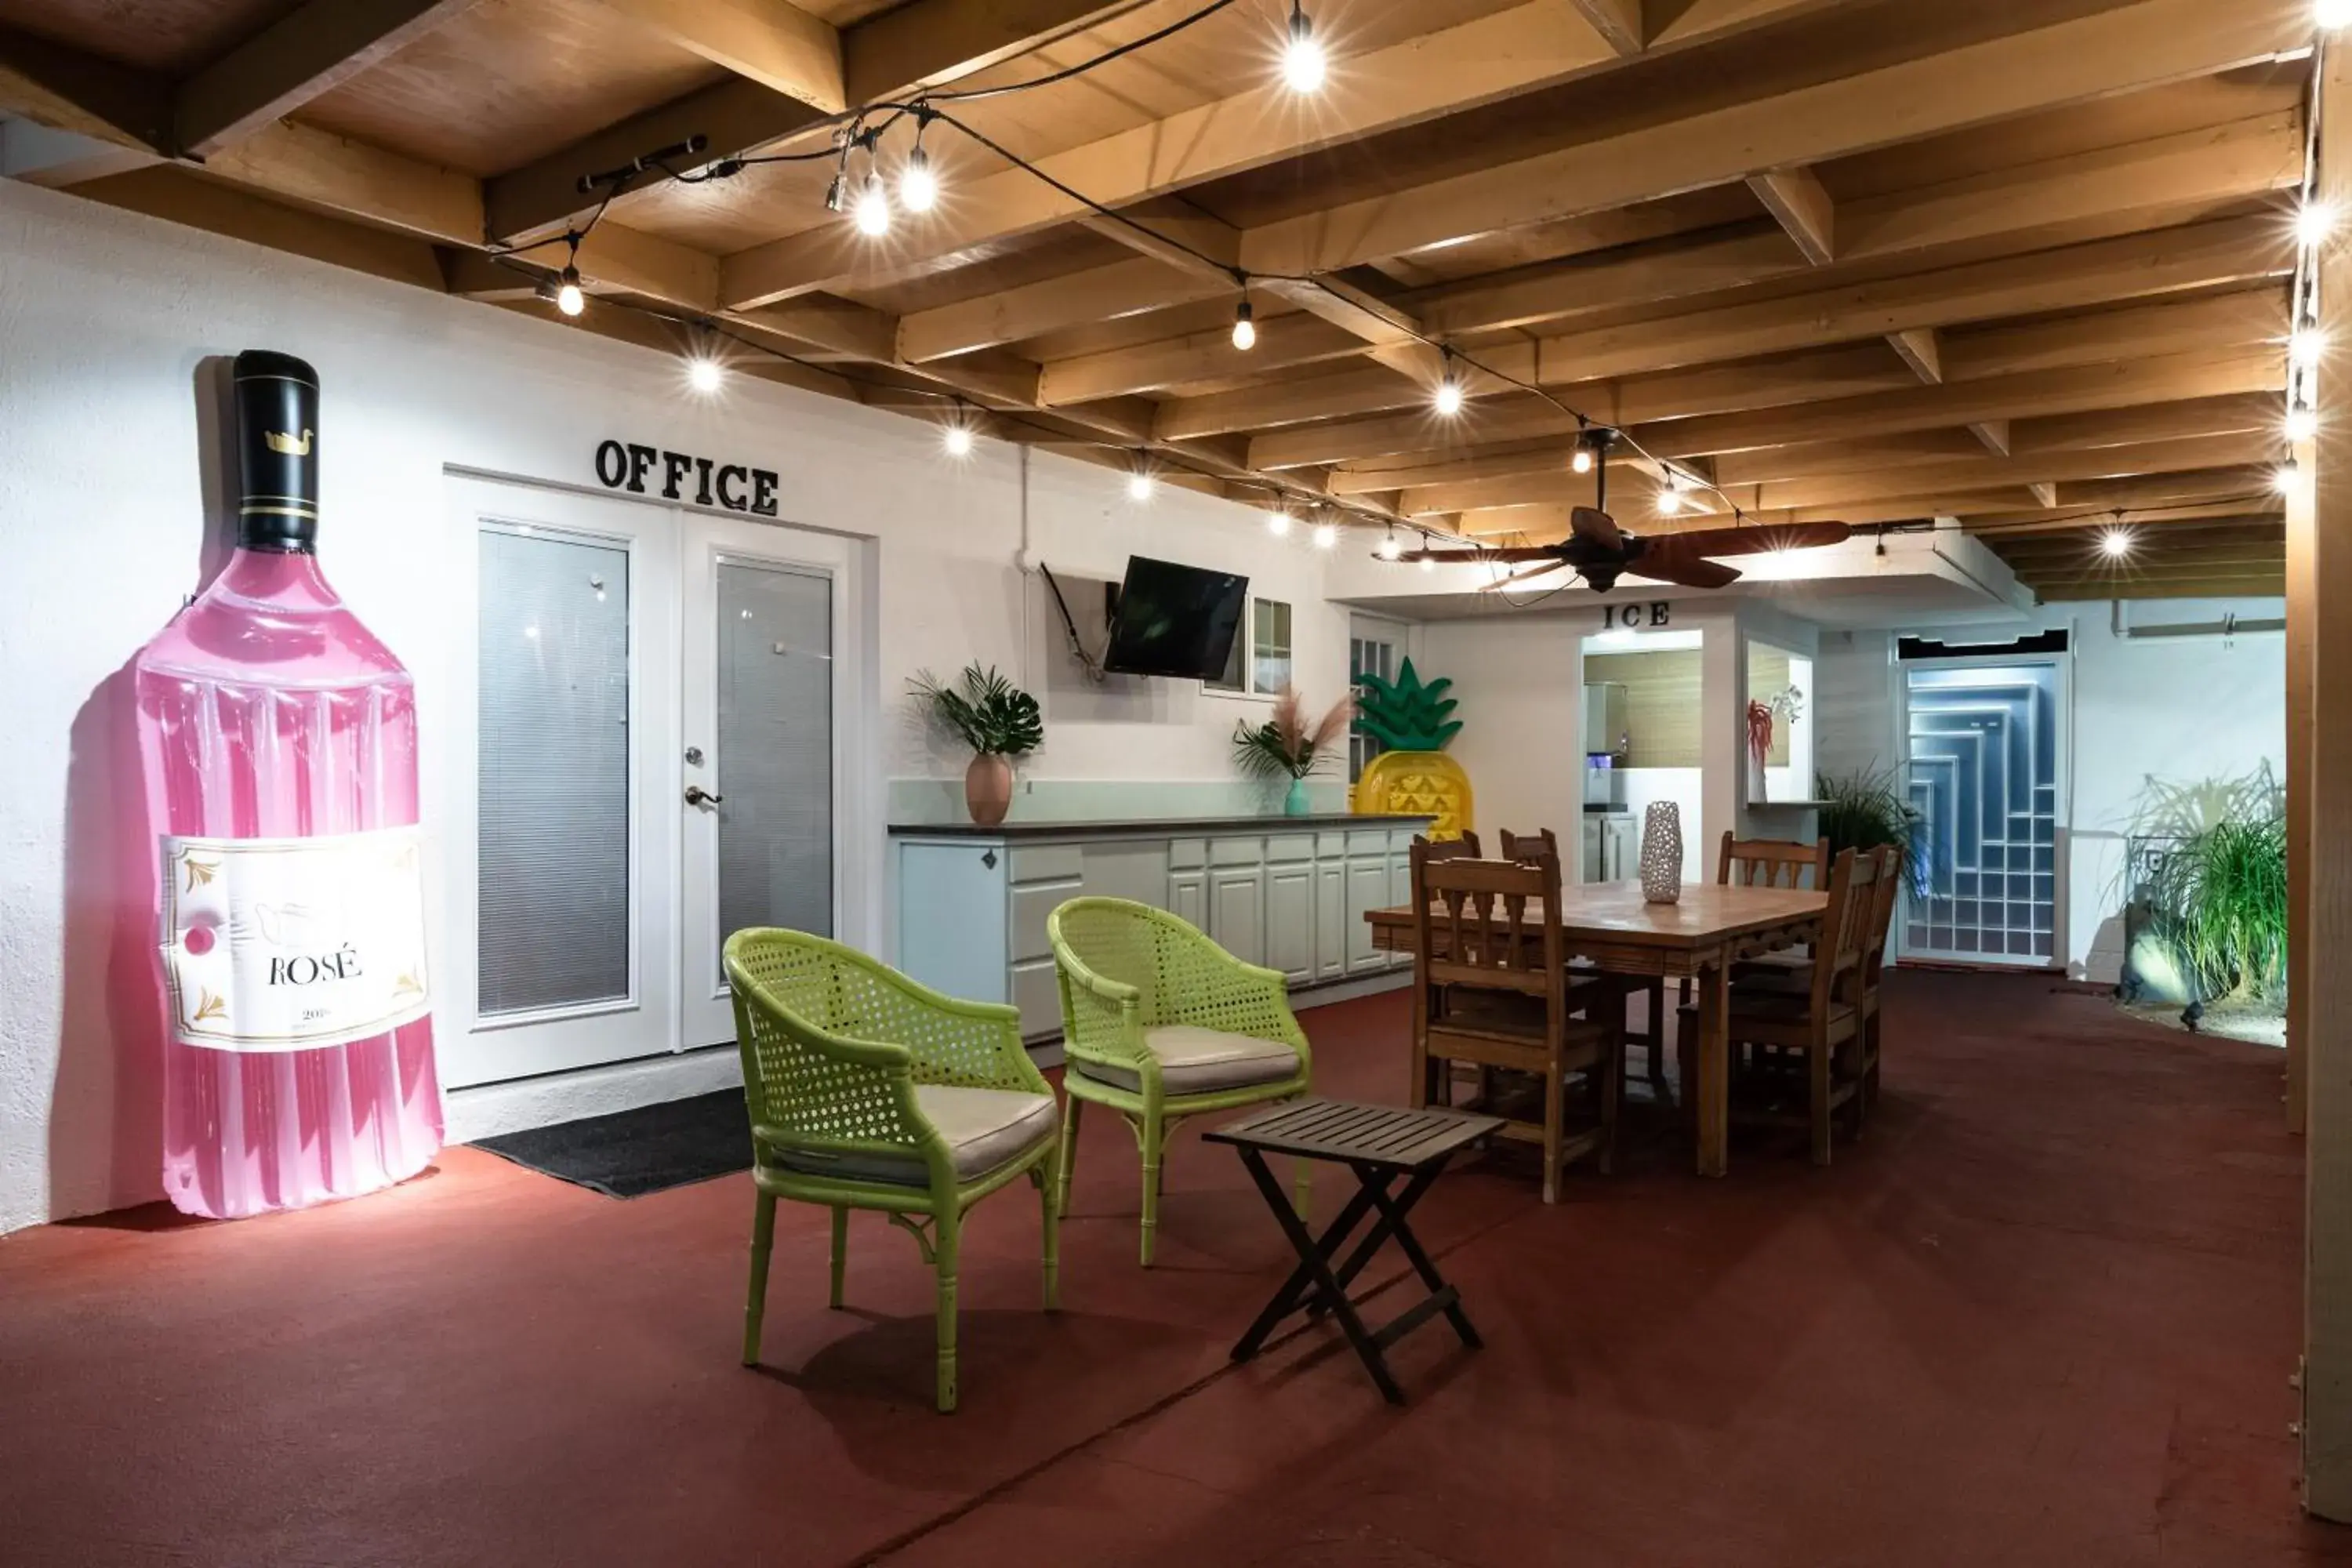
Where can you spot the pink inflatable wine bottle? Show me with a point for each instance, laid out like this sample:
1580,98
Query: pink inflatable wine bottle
279,743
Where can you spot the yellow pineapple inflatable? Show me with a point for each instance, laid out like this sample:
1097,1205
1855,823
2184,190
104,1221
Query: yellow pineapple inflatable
1413,774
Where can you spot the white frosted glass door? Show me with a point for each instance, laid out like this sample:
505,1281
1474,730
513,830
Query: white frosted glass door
1986,772
759,772
557,844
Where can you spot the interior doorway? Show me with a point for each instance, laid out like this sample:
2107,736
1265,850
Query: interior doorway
655,716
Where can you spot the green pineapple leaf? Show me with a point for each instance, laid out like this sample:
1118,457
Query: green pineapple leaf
1405,714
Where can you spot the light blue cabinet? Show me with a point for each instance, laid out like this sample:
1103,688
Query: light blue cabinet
971,909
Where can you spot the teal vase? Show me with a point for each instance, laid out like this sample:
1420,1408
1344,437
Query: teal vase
1294,804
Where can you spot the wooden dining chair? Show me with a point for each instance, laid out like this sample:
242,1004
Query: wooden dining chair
1886,891
1464,848
1543,841
1491,988
1819,1024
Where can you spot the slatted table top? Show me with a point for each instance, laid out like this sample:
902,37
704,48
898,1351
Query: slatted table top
1388,1136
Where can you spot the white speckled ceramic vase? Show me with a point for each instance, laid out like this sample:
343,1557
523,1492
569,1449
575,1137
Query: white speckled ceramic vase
1662,853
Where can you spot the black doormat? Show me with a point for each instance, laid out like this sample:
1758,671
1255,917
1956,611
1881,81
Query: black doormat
632,1153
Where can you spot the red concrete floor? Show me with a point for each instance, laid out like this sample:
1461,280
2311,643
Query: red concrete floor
2044,1313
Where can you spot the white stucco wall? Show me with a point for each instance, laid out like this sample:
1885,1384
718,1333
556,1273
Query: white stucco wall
108,481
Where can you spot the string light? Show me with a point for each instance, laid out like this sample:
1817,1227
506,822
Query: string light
1582,461
1278,522
919,187
2114,543
704,375
2302,422
2288,473
568,295
2332,13
2307,345
1449,398
1245,327
1139,483
1427,562
1326,536
1670,502
957,439
836,194
2314,221
873,211
1390,548
1303,61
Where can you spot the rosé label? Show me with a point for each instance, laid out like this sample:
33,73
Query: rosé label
288,944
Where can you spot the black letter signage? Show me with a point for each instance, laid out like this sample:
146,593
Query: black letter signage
630,465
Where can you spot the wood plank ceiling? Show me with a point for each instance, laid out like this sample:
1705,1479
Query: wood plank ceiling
2025,263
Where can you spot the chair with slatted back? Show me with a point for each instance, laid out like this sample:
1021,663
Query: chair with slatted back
1463,847
1820,1022
1483,931
1543,842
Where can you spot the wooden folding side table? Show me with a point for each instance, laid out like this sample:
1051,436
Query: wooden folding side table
1379,1143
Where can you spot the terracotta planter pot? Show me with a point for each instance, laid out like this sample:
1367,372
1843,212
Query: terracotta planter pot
988,789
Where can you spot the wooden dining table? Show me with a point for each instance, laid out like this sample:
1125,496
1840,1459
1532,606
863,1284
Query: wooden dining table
1700,937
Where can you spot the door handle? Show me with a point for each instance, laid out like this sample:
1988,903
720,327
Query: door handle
697,796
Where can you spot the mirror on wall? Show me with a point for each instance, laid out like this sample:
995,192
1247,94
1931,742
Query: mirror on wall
1778,723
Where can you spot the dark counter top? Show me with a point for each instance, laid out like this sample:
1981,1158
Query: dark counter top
1160,828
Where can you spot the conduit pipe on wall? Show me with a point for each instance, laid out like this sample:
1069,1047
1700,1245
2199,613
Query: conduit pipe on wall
2228,626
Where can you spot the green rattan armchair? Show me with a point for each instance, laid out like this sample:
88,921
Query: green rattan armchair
1158,1023
869,1091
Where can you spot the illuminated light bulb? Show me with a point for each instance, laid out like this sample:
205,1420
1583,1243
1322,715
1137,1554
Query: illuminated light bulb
2302,422
1245,327
2289,472
704,375
1582,461
2114,543
1427,564
2307,345
1303,61
1326,536
1139,485
2313,222
1277,523
568,297
873,210
957,439
919,187
2332,13
1391,549
1449,398
1670,502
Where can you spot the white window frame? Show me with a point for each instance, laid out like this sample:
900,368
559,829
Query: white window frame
1246,647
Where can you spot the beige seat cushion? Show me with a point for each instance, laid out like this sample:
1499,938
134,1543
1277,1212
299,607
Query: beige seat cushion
1195,1060
983,1127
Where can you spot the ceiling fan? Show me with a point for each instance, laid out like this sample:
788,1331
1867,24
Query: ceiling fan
1600,552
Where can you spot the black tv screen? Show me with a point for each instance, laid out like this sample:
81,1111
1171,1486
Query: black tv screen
1175,620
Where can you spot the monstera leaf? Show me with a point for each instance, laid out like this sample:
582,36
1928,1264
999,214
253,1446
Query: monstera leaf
1405,715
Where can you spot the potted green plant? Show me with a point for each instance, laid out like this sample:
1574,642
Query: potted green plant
1286,747
997,719
1867,809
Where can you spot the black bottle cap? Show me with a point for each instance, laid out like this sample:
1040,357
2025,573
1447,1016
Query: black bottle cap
278,451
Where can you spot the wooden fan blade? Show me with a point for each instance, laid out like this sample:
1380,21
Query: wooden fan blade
1597,526
1508,555
1529,576
1690,570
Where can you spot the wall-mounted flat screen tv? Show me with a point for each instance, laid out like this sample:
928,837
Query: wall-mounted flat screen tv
1173,620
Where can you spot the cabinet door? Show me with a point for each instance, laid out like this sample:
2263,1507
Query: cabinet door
1331,918
1237,911
1368,889
1187,896
953,932
1290,921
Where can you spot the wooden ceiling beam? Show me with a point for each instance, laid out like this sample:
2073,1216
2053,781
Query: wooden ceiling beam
2126,46
2199,256
2065,520
1992,434
1620,23
1803,209
1532,45
1097,294
2253,485
929,41
318,169
2245,413
771,42
303,55
67,89
1919,348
